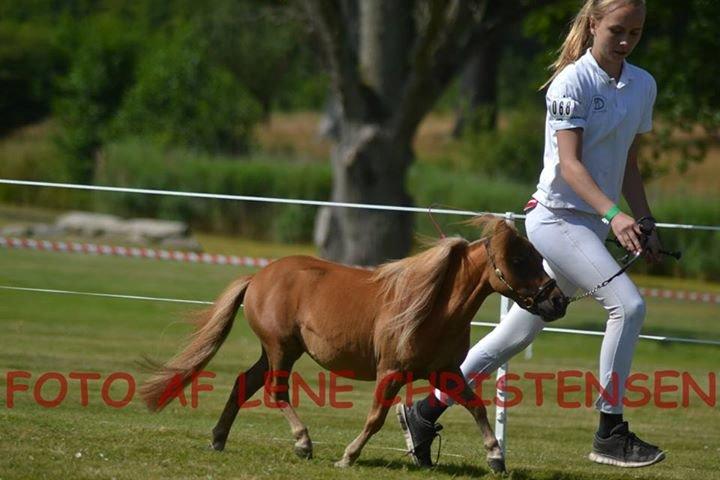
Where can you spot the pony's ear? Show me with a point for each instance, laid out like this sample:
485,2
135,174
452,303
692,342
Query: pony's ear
510,224
504,225
485,222
491,224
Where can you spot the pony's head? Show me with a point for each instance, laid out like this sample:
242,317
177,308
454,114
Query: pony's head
516,270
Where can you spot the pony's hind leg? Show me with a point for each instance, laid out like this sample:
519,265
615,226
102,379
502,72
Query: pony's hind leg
281,364
246,384
387,386
461,392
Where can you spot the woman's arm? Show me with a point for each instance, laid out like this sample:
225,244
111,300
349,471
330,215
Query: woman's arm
579,179
632,188
634,192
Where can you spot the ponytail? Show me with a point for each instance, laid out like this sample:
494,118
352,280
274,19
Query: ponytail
577,41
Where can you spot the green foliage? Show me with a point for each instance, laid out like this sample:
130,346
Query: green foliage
176,71
701,249
431,185
466,191
102,70
514,151
688,96
142,164
268,49
181,98
30,154
29,60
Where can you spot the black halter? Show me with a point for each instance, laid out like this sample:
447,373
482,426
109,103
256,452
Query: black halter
529,303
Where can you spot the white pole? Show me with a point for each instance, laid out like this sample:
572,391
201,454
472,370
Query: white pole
500,410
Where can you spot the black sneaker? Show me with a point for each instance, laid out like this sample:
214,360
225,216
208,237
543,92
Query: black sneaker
624,449
419,434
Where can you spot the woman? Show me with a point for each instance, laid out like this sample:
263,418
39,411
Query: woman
597,105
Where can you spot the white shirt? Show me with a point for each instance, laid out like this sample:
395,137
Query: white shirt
610,113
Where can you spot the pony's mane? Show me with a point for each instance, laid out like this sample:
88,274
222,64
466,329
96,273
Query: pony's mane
410,286
487,222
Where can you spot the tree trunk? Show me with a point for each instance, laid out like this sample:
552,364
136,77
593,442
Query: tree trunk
369,161
368,167
477,109
386,75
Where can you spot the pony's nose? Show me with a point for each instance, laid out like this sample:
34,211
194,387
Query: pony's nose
560,303
554,306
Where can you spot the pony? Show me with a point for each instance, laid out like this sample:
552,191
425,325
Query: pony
408,319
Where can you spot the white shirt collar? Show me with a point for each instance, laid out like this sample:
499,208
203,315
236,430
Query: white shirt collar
625,74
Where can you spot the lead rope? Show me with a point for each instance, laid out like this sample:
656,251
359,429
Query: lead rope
646,232
604,283
432,219
437,459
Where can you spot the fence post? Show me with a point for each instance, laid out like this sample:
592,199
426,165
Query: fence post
500,410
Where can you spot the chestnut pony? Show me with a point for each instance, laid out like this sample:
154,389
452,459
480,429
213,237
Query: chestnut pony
407,319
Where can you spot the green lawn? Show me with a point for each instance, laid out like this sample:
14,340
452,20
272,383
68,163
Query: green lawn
50,332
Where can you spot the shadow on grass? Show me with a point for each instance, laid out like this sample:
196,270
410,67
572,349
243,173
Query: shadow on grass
454,470
522,474
475,471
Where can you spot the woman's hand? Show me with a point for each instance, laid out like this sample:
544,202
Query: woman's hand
627,232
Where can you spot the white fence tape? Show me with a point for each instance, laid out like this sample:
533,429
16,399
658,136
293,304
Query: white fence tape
290,201
246,261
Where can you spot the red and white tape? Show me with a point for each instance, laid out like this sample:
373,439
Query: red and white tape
136,252
211,259
681,295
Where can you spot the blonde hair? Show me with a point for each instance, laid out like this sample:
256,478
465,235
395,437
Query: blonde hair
579,39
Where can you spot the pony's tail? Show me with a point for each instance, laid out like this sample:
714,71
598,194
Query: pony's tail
213,326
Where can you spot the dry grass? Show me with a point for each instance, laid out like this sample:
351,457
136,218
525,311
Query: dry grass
296,134
700,179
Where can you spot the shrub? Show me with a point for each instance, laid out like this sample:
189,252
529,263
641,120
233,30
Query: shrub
101,71
180,98
30,154
461,191
29,61
142,164
512,152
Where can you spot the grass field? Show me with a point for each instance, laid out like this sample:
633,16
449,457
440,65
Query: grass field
49,332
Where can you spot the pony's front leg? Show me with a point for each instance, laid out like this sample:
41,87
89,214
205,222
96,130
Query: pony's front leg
461,392
387,386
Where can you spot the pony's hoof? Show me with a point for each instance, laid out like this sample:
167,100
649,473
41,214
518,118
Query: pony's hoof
497,465
343,463
303,452
217,446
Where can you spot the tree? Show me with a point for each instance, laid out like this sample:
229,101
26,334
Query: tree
688,102
180,97
28,62
386,75
89,95
263,44
478,90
